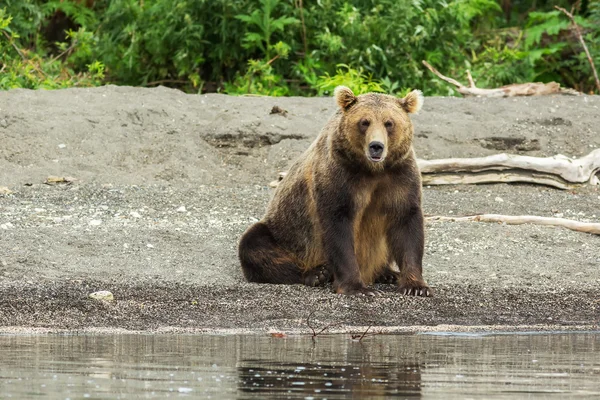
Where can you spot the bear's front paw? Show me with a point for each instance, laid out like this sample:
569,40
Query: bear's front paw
356,290
415,289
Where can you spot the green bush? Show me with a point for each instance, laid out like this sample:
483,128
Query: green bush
33,69
292,47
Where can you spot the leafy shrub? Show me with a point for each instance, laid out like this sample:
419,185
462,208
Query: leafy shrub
291,47
355,79
29,68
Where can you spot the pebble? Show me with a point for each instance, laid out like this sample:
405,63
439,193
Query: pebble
6,226
181,209
62,146
95,222
103,295
135,214
499,200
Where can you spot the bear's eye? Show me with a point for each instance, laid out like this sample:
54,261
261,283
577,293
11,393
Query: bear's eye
388,124
364,123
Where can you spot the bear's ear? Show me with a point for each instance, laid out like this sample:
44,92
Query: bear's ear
413,102
344,97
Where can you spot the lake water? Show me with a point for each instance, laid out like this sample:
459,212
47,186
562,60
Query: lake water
557,365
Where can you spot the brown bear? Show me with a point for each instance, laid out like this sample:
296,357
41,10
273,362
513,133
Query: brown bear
349,208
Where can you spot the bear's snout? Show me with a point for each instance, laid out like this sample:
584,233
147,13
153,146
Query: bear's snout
376,150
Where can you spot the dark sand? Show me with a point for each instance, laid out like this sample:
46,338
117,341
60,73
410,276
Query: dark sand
167,183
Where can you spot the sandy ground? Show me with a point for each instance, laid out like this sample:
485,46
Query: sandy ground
167,182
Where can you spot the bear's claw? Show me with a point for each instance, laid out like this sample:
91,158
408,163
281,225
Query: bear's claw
416,290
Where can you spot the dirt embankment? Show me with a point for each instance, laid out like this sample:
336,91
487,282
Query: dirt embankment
167,182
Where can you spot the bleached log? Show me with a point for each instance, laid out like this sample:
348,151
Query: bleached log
515,89
587,227
559,171
494,177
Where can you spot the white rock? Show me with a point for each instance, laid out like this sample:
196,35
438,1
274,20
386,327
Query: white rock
135,214
62,146
181,209
95,222
6,226
103,295
499,200
149,246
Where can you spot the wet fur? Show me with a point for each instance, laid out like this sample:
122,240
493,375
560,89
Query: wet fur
337,208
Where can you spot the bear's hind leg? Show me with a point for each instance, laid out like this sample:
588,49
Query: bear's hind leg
263,261
318,276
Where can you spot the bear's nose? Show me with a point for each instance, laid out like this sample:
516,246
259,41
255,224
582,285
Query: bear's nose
376,149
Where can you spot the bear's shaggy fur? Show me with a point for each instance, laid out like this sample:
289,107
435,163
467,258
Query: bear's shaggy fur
349,209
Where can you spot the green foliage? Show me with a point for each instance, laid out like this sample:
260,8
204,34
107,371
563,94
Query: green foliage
554,52
152,41
260,77
266,25
74,10
294,47
28,68
355,79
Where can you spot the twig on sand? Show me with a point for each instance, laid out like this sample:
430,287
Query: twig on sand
585,48
314,331
364,334
587,227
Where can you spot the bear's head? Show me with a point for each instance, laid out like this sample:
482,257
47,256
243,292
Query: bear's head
375,129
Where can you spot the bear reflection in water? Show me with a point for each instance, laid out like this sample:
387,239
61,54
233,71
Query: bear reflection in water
389,380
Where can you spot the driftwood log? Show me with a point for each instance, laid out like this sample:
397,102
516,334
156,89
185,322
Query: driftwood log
516,89
587,227
558,171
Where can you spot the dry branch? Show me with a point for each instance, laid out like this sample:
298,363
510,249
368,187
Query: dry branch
587,227
580,37
314,331
516,89
360,337
558,171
